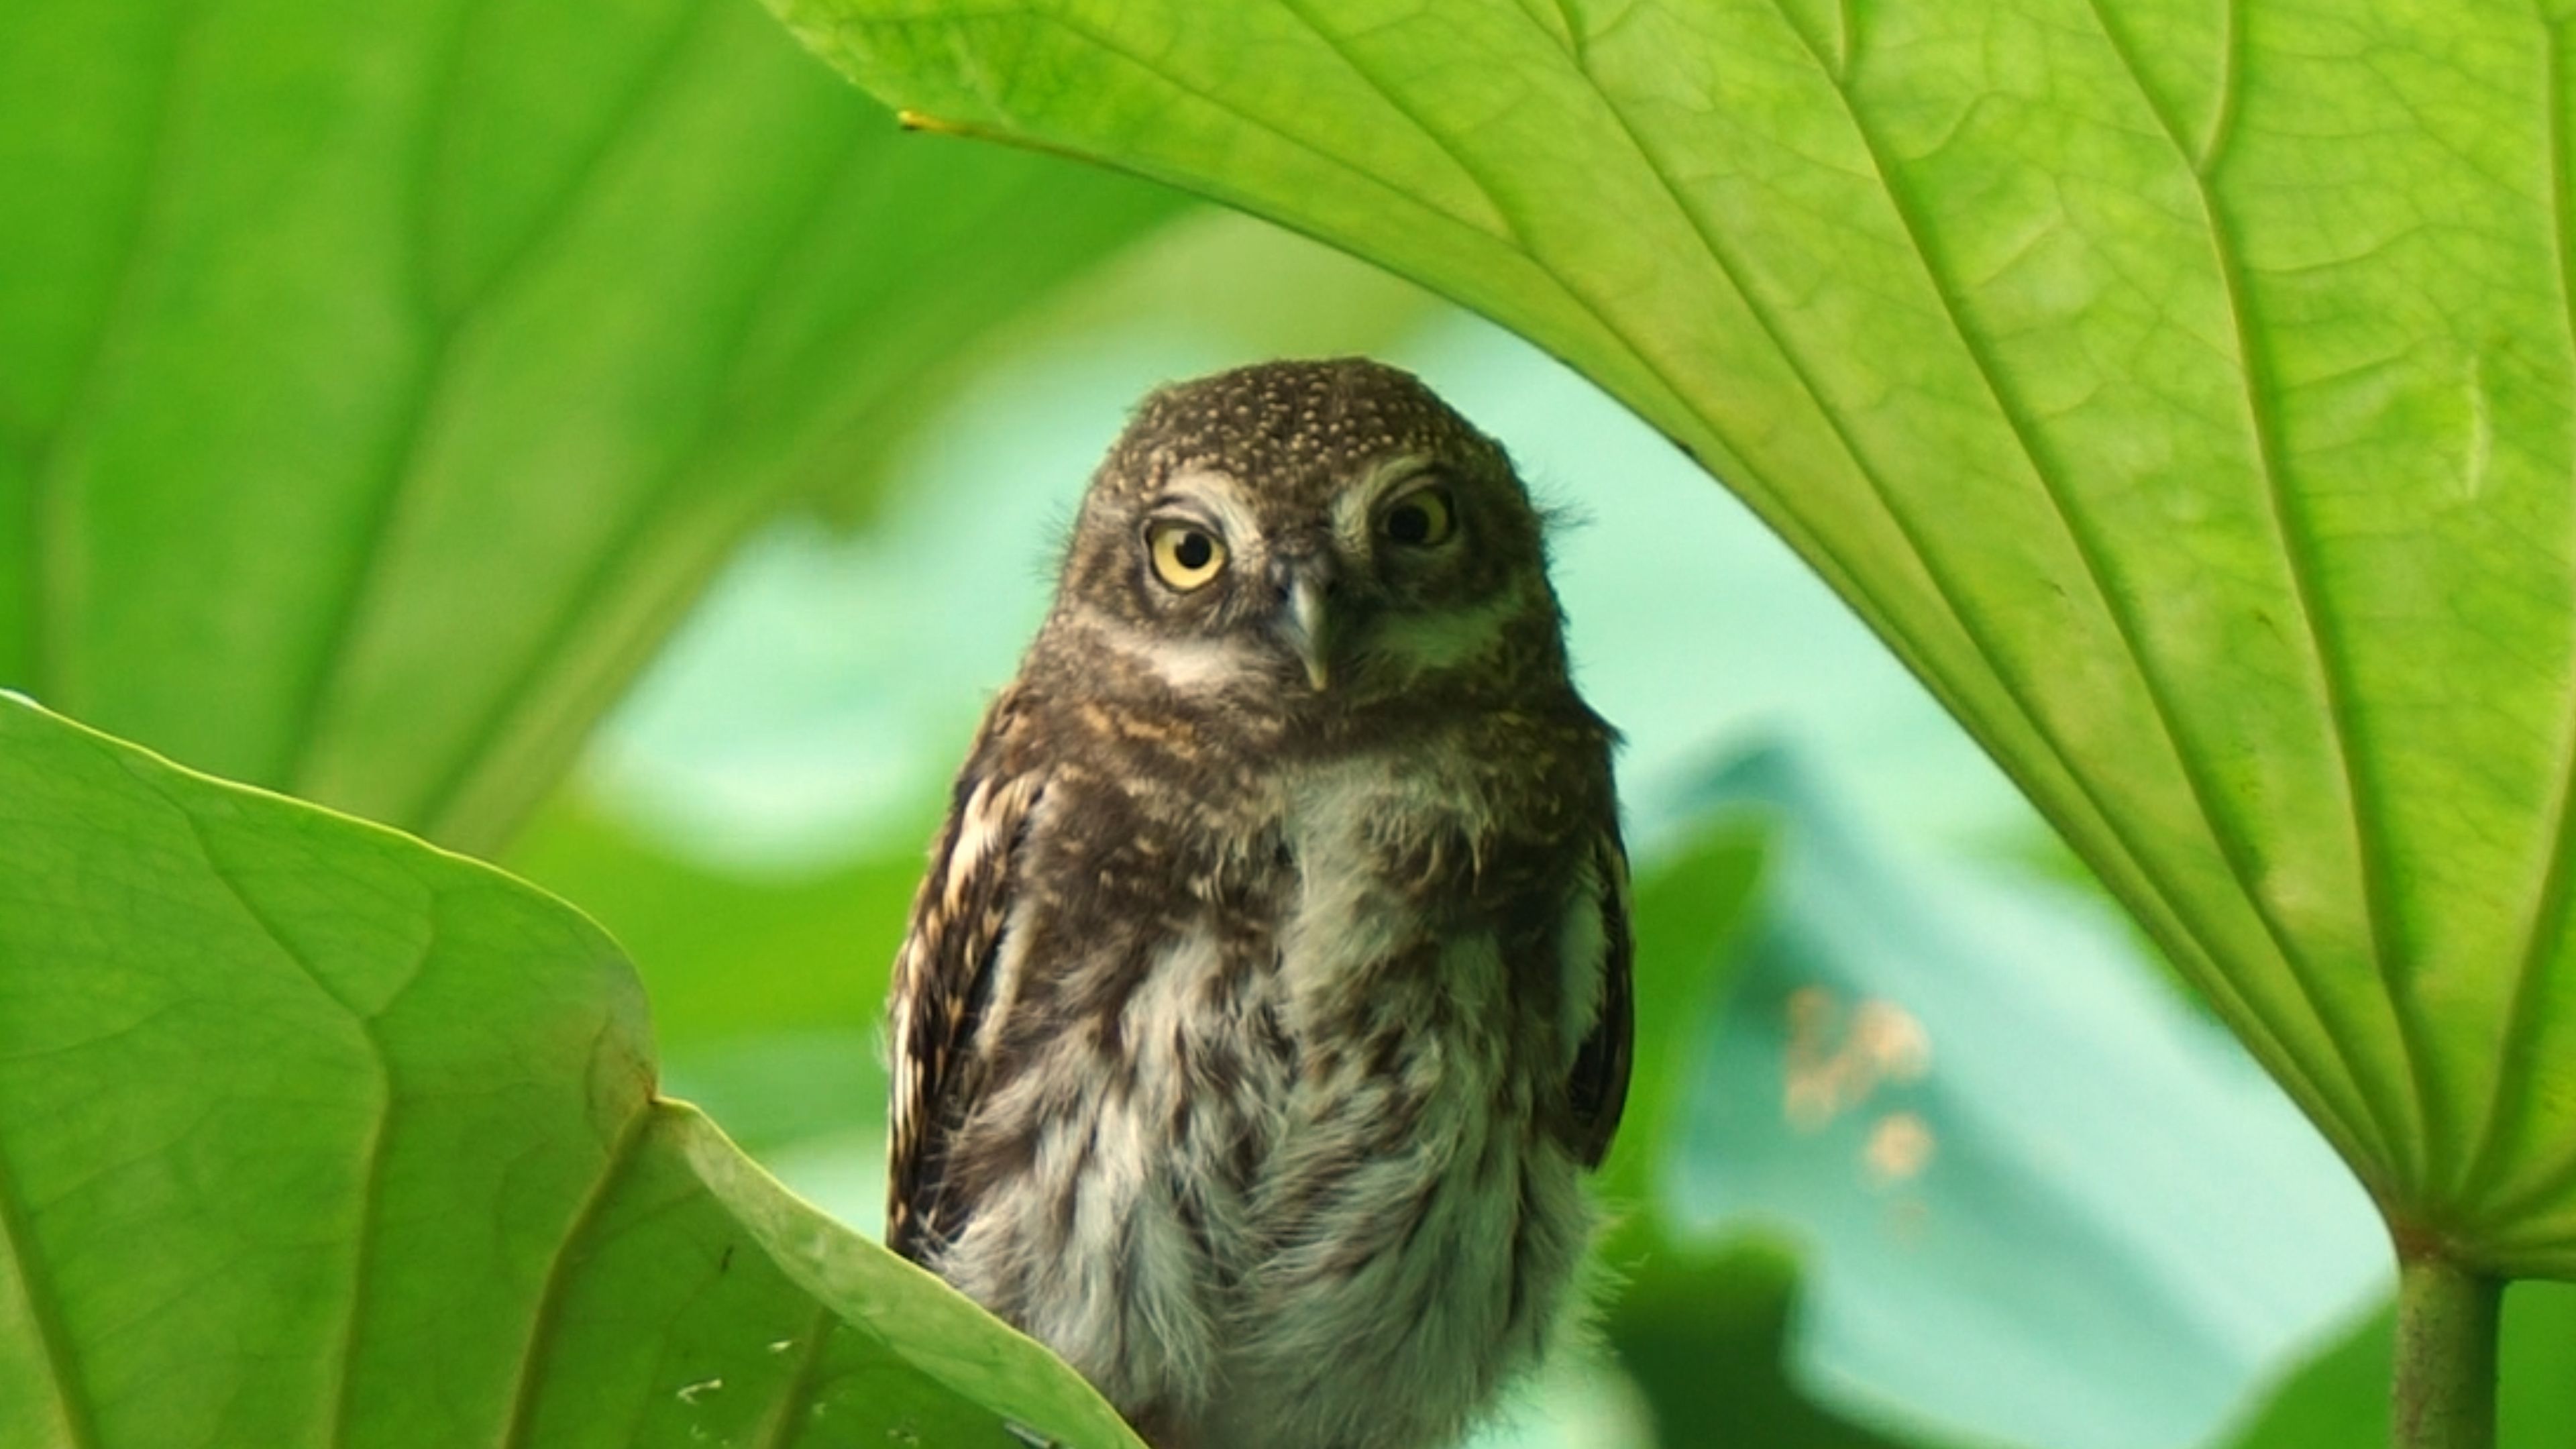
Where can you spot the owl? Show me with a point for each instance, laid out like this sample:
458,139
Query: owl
1268,992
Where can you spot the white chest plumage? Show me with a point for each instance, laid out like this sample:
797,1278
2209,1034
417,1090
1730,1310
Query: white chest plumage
1316,1172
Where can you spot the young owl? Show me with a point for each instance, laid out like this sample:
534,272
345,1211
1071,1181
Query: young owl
1269,988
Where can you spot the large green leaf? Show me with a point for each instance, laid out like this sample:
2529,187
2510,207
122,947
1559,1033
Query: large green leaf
312,1134
2181,390
377,383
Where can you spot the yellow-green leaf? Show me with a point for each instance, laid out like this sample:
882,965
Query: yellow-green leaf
313,1134
2182,391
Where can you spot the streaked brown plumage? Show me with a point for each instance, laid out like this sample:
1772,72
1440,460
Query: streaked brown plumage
1269,986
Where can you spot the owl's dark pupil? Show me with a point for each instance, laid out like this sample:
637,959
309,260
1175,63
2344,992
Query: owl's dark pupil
1409,524
1194,550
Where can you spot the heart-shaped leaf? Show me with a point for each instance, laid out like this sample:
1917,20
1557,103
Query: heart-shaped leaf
310,1133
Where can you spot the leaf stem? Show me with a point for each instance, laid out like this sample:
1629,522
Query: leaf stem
2445,1390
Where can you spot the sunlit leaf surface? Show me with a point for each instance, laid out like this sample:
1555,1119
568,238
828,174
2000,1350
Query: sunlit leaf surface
2181,390
377,383
312,1134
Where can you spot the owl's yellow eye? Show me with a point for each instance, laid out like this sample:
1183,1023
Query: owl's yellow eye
1186,555
1422,518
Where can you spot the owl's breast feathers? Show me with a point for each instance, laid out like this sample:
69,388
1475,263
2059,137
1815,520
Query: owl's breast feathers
1199,1030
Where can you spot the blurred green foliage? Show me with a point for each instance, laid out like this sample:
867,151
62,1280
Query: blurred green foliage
378,385
378,391
728,955
1685,912
1704,1328
1706,1331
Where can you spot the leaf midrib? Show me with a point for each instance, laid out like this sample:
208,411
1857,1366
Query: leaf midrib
533,1357
372,1152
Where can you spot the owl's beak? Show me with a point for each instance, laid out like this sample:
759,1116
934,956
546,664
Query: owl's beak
1303,624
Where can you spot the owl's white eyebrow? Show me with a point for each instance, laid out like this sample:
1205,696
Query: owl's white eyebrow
1351,511
1216,492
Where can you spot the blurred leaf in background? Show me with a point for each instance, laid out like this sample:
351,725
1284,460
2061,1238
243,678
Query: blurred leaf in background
1709,1331
379,384
2040,1202
1702,1325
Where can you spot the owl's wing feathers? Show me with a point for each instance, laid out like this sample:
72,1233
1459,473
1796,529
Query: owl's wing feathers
1598,1085
943,982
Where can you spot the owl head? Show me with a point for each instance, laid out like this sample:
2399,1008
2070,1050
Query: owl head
1325,535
